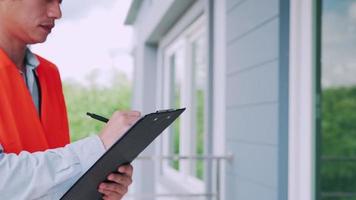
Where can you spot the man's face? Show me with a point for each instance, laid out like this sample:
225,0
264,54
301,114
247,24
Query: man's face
29,21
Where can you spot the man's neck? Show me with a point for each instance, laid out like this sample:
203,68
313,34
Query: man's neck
14,49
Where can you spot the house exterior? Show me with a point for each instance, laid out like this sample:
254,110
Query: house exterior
244,69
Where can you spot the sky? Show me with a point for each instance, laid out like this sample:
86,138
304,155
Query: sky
90,38
339,43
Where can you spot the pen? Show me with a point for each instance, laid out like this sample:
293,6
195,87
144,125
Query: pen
98,117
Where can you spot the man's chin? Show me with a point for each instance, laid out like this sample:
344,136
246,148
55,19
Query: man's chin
38,40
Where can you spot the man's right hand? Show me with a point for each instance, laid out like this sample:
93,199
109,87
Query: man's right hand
118,124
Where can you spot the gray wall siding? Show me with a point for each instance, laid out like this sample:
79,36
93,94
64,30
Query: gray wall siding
249,180
247,189
249,15
255,169
252,102
254,49
257,85
244,118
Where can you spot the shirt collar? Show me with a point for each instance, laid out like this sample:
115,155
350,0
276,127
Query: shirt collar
31,60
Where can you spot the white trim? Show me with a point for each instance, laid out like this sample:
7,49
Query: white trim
219,127
183,43
133,12
301,101
170,51
180,26
193,34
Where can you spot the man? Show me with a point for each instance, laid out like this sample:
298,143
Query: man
33,119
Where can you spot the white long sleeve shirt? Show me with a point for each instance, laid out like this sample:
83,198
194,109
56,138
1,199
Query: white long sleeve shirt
46,175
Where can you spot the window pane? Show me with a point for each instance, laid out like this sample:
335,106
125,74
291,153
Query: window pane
176,68
338,100
200,71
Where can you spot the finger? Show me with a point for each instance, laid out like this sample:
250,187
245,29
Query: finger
132,119
126,169
114,187
131,113
134,113
105,197
129,121
122,179
110,195
126,114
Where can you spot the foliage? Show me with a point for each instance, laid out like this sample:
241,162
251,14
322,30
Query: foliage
338,127
176,129
102,100
200,132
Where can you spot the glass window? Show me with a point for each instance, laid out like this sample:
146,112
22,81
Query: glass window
176,69
185,82
337,131
200,93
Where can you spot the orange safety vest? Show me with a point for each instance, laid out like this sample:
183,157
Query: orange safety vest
21,127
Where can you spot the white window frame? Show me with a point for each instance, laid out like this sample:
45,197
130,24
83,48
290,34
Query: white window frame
193,36
301,178
184,176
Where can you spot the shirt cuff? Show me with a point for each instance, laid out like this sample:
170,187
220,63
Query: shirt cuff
88,151
1,152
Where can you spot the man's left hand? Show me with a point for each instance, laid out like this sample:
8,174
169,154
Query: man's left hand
119,184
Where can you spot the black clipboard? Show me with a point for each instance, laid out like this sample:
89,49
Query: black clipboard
124,151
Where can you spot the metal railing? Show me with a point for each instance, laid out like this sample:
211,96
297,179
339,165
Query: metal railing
211,194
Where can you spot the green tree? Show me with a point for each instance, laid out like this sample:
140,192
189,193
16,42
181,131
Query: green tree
338,127
103,100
